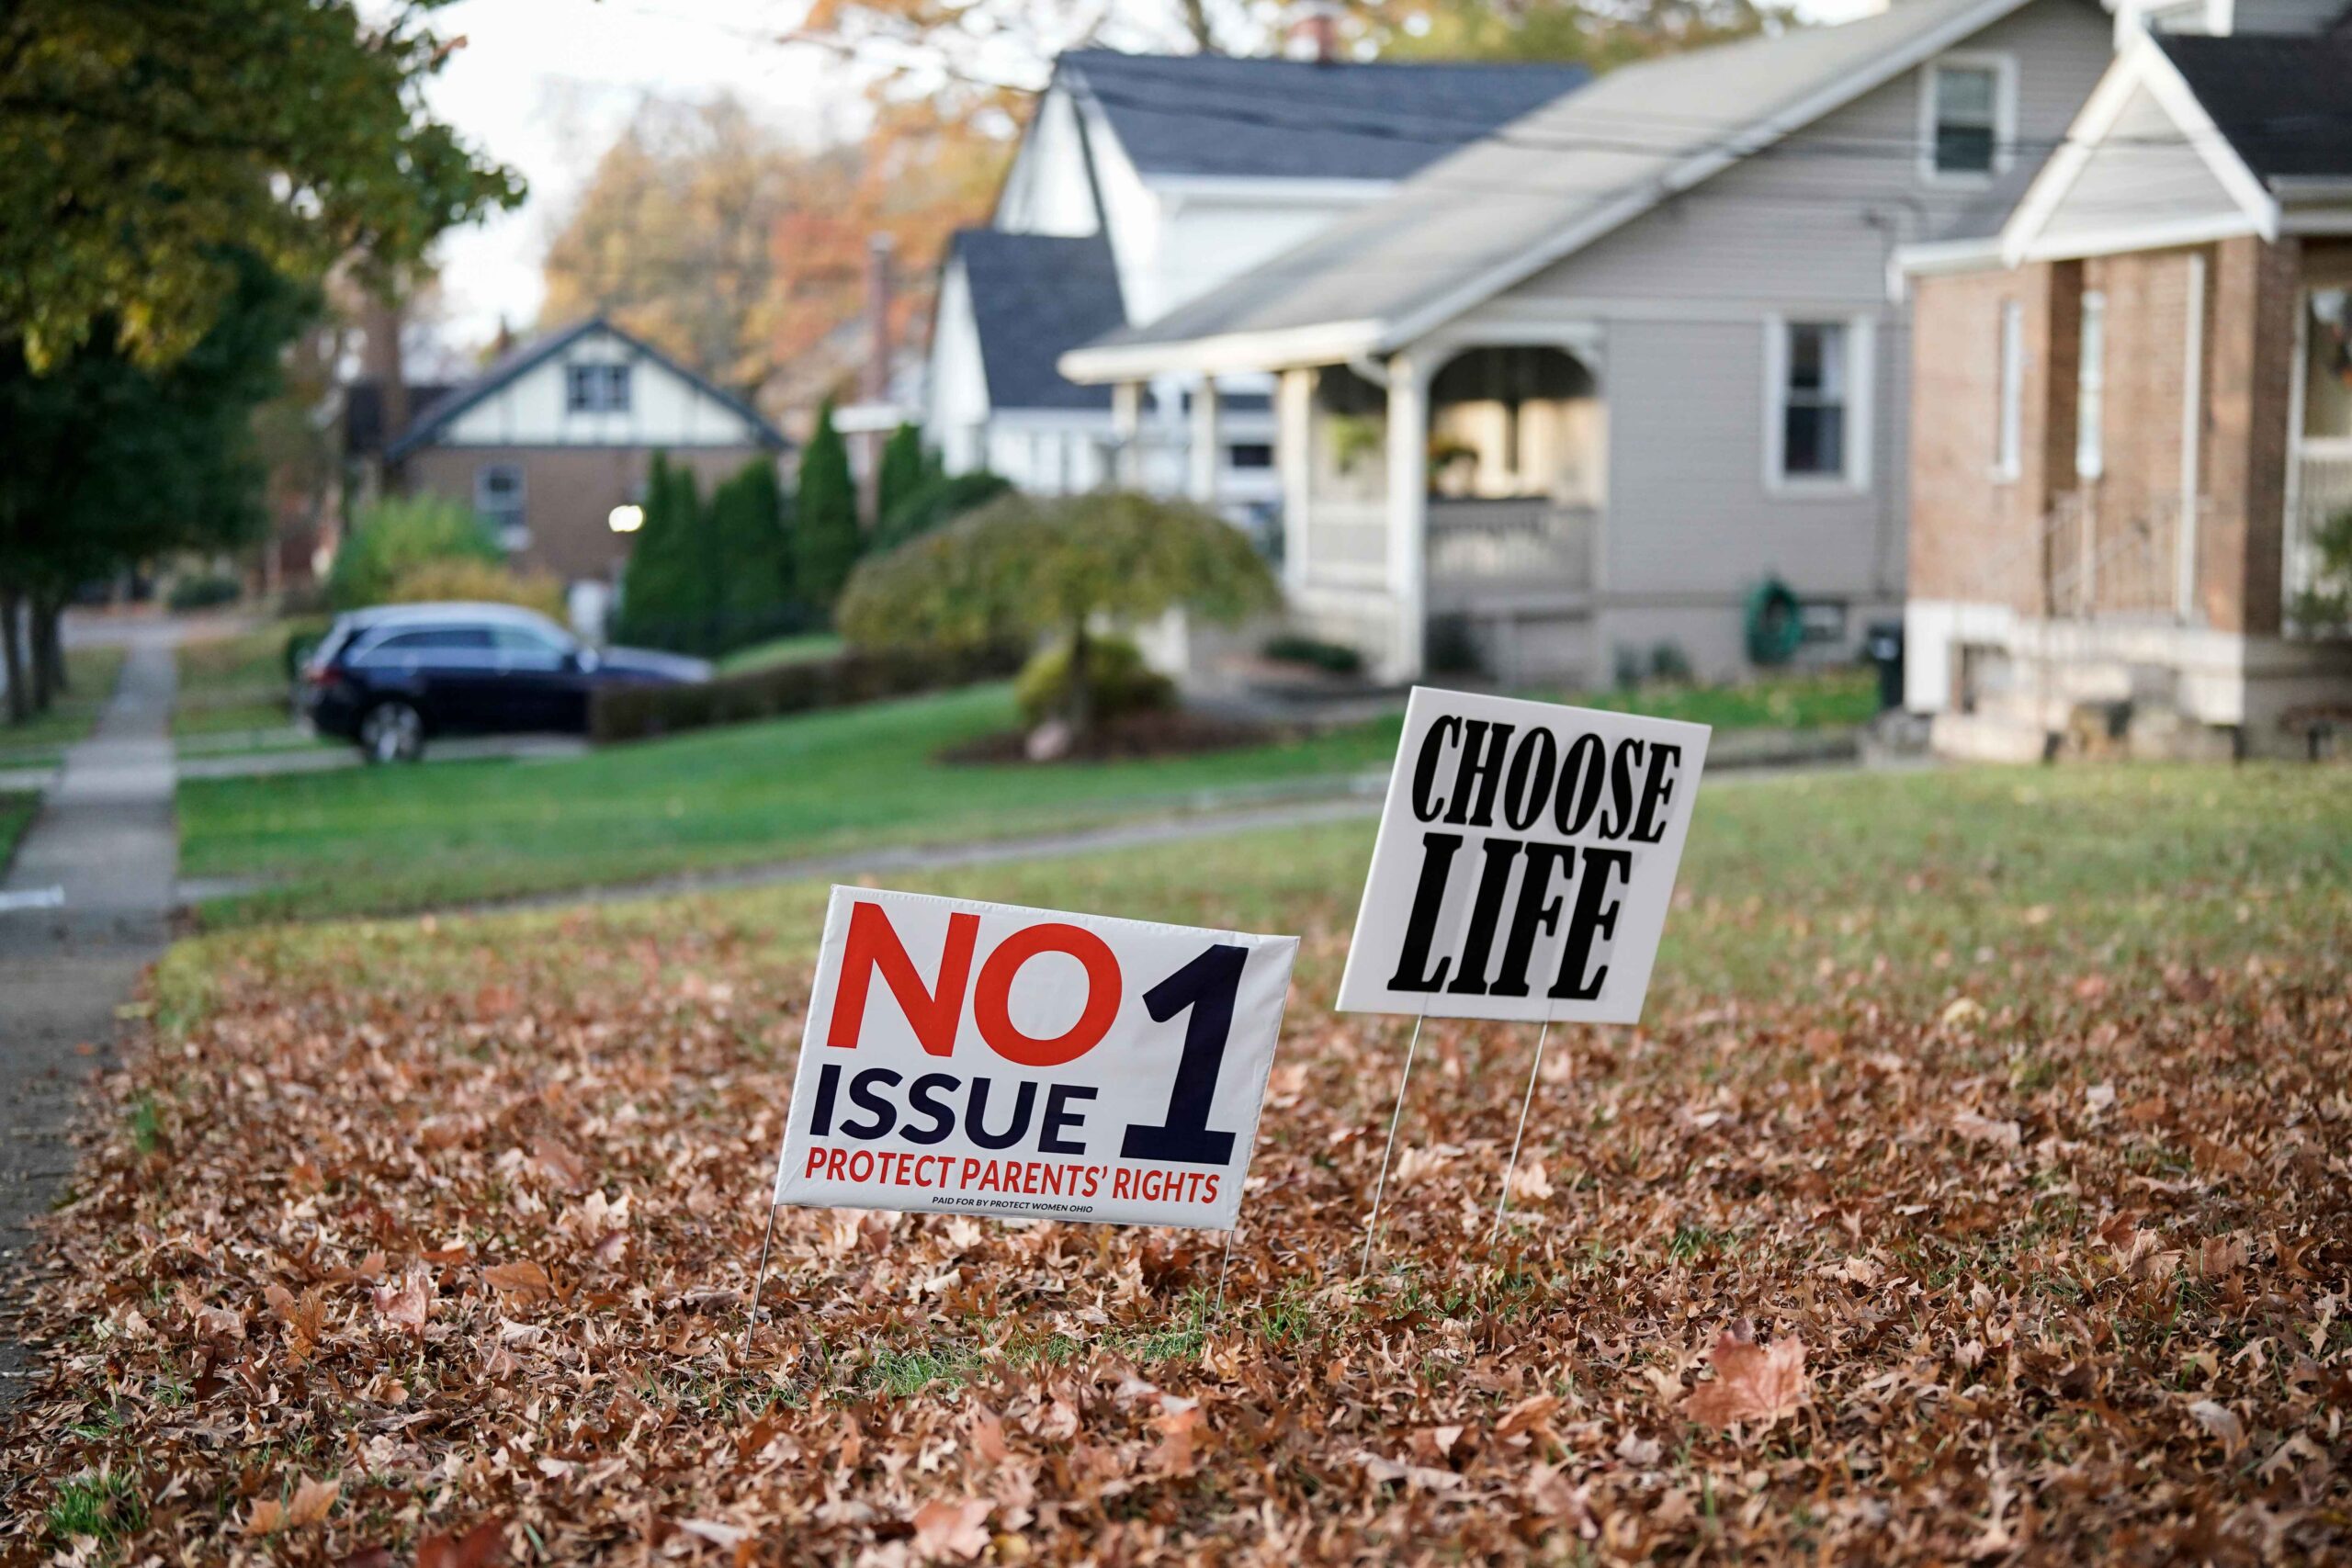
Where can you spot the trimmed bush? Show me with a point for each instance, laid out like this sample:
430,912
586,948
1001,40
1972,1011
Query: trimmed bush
1118,682
641,713
435,581
905,469
398,533
1331,658
826,540
202,591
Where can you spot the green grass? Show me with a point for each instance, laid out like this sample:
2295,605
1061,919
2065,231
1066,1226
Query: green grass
802,648
17,809
1812,700
1971,881
103,1506
231,684
90,676
375,840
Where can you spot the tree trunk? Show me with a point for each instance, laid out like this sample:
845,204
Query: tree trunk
44,650
47,625
12,652
1081,689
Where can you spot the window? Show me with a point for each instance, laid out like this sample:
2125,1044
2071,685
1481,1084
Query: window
1814,400
1251,454
432,646
1968,115
528,647
2008,430
2091,389
498,497
597,388
2327,364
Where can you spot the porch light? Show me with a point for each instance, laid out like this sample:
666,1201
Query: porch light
625,519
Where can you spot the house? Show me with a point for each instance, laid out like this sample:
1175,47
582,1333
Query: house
551,442
1142,183
1574,393
2135,408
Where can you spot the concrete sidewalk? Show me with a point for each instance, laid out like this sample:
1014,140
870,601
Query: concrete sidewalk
82,913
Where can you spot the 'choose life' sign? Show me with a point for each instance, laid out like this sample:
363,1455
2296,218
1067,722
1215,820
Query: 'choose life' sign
1526,857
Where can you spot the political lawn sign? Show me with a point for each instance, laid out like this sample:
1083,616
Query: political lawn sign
981,1058
1525,861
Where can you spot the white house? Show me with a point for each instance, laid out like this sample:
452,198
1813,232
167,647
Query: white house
1142,183
1582,387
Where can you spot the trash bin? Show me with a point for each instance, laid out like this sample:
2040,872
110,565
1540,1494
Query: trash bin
1883,646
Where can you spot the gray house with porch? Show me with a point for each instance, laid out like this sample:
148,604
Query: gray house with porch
1582,386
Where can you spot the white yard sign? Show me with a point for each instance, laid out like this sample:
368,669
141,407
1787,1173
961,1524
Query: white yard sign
1525,861
981,1058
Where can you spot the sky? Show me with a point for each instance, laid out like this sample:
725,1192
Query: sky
546,85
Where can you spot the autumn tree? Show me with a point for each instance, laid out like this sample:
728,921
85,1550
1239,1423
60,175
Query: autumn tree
1057,568
146,144
824,520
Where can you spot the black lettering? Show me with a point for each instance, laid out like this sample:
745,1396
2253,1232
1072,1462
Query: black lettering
1657,790
923,1099
1531,767
1580,786
1531,913
821,1120
1481,766
862,1095
1486,914
1424,769
1619,815
976,1117
1059,1117
1589,922
1413,973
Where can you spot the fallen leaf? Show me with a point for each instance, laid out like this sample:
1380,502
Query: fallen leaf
313,1500
268,1516
2223,1423
478,1548
523,1281
1752,1383
406,1304
956,1529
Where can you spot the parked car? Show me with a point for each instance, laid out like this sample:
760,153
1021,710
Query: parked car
390,679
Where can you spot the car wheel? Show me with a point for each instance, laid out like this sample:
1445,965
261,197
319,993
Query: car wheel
392,732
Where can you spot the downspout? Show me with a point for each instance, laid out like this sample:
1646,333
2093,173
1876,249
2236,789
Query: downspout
2192,431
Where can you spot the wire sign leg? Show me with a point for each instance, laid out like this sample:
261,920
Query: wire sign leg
1371,1225
1518,1137
760,1279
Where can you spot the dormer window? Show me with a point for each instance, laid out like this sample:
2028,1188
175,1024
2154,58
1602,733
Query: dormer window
1968,116
597,388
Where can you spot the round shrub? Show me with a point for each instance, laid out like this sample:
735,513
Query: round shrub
1118,682
478,582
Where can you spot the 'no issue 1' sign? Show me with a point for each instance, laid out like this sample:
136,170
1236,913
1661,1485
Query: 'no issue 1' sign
981,1058
1525,861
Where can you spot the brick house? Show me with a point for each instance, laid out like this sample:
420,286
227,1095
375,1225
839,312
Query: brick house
2133,407
554,438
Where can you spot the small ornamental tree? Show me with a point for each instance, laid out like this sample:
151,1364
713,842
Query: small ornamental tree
754,557
398,535
1057,568
665,600
824,522
905,469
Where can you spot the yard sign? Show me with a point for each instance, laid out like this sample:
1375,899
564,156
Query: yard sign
1525,861
981,1058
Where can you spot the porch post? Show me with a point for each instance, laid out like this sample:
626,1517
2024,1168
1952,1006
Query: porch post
1408,556
1294,450
1127,431
1201,476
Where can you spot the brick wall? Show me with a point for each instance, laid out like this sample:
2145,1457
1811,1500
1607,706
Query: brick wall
569,493
1975,533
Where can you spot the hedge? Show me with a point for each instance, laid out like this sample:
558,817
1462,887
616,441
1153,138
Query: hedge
641,713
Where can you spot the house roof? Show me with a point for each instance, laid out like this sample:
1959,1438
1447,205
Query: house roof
1224,117
1551,181
524,356
1034,297
2283,103
363,412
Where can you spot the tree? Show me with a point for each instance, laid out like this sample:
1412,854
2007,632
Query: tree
106,461
1056,566
905,468
1600,36
941,499
665,597
824,522
146,144
754,556
392,538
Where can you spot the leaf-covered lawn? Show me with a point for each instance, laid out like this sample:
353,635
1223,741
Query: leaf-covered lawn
1976,1190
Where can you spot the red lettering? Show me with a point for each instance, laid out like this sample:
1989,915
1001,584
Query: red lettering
816,1161
833,1158
861,1166
874,944
991,1002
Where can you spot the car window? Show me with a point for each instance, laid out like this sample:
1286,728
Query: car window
528,643
429,644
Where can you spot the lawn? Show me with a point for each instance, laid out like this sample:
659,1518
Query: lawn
2007,1106
801,648
90,676
17,809
232,683
370,840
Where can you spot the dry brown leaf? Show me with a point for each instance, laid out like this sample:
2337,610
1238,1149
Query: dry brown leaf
2223,1423
952,1531
520,1281
1753,1383
314,1500
268,1518
407,1304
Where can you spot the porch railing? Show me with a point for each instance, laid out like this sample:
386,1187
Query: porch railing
1524,544
2322,489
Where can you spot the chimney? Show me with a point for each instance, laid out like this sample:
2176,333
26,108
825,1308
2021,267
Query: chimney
380,361
876,389
1315,31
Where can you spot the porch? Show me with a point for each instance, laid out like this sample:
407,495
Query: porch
1442,509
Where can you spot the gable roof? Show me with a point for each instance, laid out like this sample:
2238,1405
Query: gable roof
1218,116
1543,187
2283,103
526,356
1034,297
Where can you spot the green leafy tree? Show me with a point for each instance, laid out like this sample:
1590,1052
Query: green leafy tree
666,597
753,590
146,144
106,461
904,470
1058,566
939,501
824,522
390,540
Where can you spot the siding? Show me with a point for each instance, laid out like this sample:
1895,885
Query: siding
665,408
2142,172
